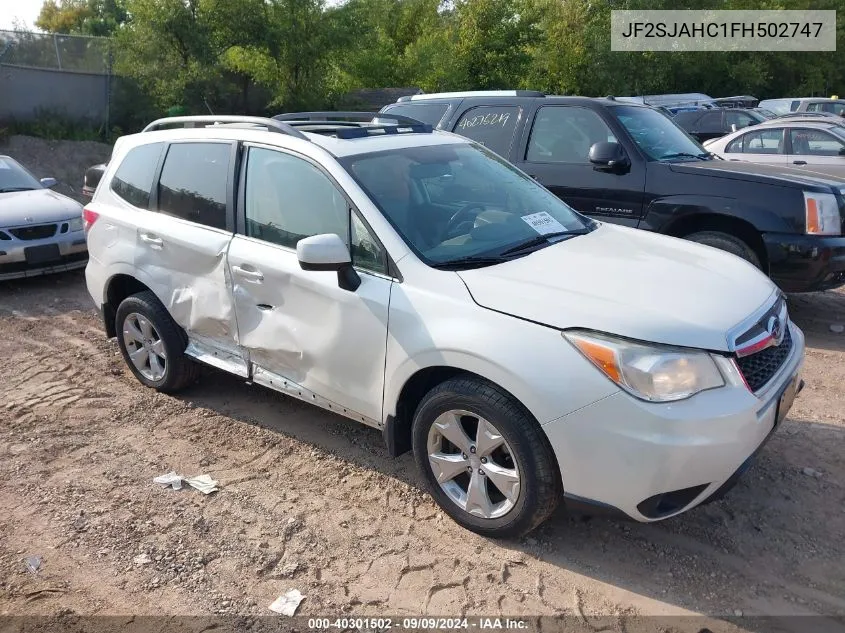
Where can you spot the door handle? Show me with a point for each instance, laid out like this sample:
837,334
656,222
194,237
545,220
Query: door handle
249,274
152,240
799,162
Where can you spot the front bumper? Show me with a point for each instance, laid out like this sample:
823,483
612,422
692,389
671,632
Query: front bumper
15,264
652,461
805,263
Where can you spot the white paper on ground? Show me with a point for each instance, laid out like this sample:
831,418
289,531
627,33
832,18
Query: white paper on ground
170,479
288,603
543,223
204,483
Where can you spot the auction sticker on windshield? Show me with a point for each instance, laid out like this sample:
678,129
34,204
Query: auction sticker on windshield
543,223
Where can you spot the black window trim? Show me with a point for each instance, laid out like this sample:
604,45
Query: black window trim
391,270
156,173
230,187
520,116
530,132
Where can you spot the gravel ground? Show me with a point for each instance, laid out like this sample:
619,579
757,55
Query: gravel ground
309,500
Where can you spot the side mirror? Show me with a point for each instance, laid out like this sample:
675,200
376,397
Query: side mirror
328,252
733,127
607,156
93,175
49,183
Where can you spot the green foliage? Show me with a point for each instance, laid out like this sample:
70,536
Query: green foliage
56,125
264,56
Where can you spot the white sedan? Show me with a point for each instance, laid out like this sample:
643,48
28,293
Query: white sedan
788,143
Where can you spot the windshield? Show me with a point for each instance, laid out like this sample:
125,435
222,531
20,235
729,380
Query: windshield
13,177
659,137
451,202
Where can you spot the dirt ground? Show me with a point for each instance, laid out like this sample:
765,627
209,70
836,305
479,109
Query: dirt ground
309,500
66,161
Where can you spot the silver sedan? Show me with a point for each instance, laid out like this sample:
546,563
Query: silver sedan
817,145
41,231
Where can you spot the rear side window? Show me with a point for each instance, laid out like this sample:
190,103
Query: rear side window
193,182
430,113
133,180
492,126
758,142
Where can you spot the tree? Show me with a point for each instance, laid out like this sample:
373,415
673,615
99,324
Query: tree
82,17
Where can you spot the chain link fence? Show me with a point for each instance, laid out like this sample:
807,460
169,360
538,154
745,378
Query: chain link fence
56,77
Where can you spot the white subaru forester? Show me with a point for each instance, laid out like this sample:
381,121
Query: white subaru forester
418,283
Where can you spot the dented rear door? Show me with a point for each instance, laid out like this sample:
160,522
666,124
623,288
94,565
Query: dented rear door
183,240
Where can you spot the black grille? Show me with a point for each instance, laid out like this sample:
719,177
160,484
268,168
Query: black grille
39,232
759,368
17,267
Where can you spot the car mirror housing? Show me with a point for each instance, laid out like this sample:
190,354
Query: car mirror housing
49,183
607,156
328,252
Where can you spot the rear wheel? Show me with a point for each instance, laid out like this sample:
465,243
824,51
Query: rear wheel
485,460
152,344
726,242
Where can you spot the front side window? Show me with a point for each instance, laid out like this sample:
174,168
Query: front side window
492,126
287,198
450,202
565,134
710,122
758,142
193,183
815,143
657,136
739,119
133,180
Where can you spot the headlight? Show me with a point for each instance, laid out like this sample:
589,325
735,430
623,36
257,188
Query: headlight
650,372
75,224
821,213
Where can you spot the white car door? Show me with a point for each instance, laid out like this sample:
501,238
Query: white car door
815,147
758,146
303,333
182,242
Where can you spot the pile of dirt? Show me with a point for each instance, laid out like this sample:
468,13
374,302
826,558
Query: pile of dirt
66,161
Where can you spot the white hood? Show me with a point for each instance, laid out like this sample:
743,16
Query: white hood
42,205
628,282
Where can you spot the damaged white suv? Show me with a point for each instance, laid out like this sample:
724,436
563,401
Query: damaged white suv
418,283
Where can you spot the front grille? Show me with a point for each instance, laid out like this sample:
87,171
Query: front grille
39,232
758,369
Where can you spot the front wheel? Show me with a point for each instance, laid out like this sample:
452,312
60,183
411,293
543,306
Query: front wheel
485,460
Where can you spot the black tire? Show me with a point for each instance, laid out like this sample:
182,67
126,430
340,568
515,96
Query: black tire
179,370
728,243
540,481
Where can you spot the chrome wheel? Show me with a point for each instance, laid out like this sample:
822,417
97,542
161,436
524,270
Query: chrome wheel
473,464
144,346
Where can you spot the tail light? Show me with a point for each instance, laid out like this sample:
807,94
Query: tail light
88,219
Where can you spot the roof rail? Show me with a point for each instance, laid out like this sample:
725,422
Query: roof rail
335,117
206,120
472,93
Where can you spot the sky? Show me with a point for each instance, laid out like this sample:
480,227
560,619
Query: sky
24,10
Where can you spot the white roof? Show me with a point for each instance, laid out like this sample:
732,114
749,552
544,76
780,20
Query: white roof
817,123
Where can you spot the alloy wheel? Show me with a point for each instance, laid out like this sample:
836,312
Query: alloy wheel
473,464
144,346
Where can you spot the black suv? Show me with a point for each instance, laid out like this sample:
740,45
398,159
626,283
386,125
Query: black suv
703,125
629,164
